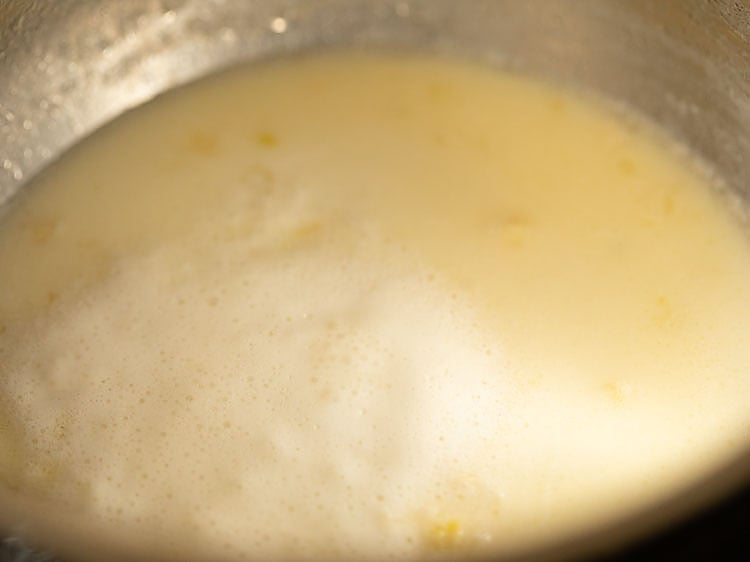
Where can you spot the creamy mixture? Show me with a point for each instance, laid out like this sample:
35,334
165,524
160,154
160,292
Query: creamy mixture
368,306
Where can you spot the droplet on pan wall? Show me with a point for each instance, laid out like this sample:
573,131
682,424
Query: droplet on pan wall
228,35
278,25
402,9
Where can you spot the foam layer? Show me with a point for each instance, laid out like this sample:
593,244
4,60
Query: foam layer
249,401
421,309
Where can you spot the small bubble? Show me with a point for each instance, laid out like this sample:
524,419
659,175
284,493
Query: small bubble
278,25
7,164
27,125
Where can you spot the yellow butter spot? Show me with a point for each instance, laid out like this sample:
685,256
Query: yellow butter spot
446,534
616,392
626,166
558,104
667,205
203,143
42,229
437,91
305,231
267,139
511,229
664,314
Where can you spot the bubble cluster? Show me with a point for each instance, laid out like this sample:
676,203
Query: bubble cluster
258,403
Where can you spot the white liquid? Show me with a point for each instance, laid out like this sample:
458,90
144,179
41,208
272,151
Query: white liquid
353,306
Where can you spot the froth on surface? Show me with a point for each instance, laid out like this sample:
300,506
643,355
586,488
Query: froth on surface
383,307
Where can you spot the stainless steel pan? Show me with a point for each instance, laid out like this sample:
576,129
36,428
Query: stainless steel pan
67,67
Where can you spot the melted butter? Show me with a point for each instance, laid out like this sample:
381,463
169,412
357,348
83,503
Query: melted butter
355,306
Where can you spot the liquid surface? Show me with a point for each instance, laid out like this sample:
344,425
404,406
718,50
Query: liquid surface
357,306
